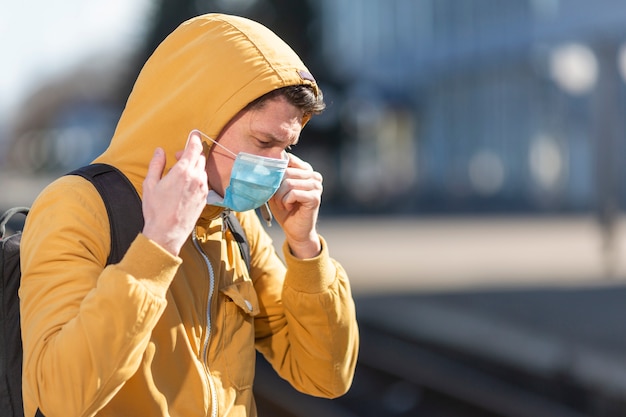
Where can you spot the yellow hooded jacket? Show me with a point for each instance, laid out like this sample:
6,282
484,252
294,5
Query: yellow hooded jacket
158,335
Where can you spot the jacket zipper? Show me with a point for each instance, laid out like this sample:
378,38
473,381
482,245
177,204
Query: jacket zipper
205,344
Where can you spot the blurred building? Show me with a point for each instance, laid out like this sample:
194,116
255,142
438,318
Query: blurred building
68,121
478,105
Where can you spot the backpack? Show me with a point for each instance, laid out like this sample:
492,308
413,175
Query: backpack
123,207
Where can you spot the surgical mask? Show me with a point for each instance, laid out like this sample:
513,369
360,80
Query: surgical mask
253,180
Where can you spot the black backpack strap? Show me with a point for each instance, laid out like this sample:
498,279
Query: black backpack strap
11,403
122,203
232,222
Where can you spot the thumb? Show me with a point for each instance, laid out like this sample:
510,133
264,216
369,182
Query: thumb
156,167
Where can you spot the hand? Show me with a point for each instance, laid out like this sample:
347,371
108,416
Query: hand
295,206
172,203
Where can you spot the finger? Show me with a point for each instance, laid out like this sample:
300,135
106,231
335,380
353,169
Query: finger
201,163
294,161
179,154
193,148
301,173
156,167
192,136
300,184
305,198
300,180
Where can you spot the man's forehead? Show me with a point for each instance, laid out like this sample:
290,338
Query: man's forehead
277,122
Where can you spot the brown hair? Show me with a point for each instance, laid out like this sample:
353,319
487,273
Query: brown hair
300,96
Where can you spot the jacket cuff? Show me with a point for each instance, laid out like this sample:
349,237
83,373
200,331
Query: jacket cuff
313,275
150,264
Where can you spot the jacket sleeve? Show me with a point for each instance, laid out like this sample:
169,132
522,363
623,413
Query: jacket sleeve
307,327
84,327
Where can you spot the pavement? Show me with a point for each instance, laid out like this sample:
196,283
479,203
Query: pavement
391,253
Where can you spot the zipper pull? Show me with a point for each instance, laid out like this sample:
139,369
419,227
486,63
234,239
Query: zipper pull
223,227
225,214
266,214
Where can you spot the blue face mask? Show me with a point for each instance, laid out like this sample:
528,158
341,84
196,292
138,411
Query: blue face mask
253,180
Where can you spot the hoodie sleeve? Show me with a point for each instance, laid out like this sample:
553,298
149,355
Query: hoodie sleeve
307,328
84,326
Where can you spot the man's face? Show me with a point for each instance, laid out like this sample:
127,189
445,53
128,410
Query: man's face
266,131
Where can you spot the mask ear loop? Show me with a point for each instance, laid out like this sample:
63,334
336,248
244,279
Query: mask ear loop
212,140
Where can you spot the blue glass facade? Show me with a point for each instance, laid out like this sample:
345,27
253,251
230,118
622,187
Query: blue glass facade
478,104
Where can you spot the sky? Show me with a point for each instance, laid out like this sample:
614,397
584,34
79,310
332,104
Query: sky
40,39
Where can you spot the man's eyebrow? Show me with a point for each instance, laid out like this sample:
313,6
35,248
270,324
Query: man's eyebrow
275,139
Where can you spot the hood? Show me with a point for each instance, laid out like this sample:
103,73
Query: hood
199,77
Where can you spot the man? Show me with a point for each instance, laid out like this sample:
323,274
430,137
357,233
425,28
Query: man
171,329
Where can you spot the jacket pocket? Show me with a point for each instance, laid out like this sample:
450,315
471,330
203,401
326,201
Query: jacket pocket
240,306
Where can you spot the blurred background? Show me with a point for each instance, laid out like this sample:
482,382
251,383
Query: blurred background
472,154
